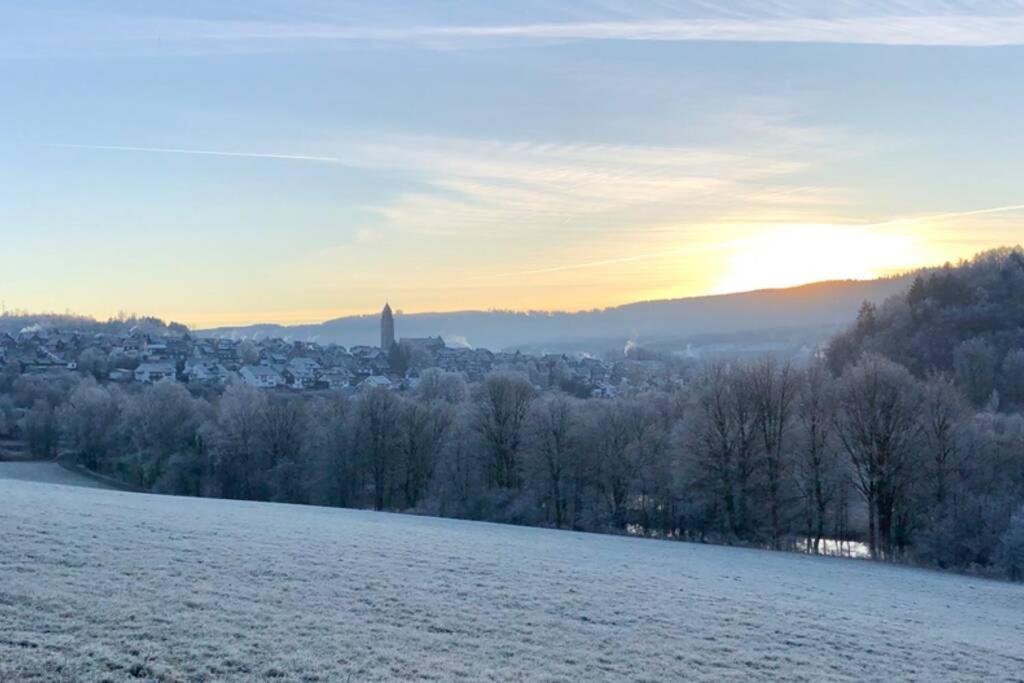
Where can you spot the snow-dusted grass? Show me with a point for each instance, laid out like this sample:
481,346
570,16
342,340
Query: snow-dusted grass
46,471
107,585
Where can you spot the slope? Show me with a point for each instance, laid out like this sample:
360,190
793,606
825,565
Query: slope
105,585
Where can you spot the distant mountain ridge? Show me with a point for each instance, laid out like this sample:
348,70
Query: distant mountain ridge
824,307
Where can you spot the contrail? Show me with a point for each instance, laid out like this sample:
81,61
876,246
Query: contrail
207,152
940,216
733,243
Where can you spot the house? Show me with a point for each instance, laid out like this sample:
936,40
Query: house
336,378
155,351
374,381
148,373
209,373
120,375
431,344
261,376
134,344
301,373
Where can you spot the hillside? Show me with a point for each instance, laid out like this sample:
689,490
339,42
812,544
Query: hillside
103,585
820,308
967,320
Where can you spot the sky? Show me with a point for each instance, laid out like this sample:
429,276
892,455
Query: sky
293,161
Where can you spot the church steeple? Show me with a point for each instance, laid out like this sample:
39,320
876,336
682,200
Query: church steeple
387,328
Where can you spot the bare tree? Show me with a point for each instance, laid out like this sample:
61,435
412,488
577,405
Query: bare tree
817,471
284,438
774,389
377,440
878,425
613,468
552,437
502,403
437,385
330,442
161,422
724,434
90,420
974,362
942,413
423,427
238,449
41,431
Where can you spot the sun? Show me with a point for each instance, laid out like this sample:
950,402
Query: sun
791,255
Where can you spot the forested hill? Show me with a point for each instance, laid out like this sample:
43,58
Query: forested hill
966,319
823,306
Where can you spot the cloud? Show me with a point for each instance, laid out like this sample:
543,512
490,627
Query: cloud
952,24
484,187
204,152
940,30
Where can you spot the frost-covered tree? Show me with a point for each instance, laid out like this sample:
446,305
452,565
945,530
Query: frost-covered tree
90,421
878,424
553,454
502,403
817,471
974,362
240,468
774,389
1010,558
377,439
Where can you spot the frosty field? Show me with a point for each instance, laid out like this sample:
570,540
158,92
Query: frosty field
106,585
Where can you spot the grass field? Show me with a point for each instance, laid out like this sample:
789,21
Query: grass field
102,585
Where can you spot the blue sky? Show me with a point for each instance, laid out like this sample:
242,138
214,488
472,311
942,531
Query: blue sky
220,162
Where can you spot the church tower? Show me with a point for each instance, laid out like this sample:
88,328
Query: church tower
387,329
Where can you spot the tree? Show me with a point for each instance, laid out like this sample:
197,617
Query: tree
400,359
90,420
974,362
502,405
94,362
878,425
239,465
248,353
423,427
437,385
377,440
942,411
817,471
552,438
41,431
774,389
613,467
1011,378
1011,547
161,422
284,438
724,434
330,439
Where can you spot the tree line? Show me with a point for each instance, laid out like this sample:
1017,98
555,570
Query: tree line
761,453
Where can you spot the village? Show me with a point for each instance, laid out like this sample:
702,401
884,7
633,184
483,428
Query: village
208,365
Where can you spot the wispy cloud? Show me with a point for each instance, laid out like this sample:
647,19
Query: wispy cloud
908,23
475,187
942,30
202,152
465,186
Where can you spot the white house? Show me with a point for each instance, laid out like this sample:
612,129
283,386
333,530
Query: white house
336,378
301,373
261,376
148,373
375,381
205,372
